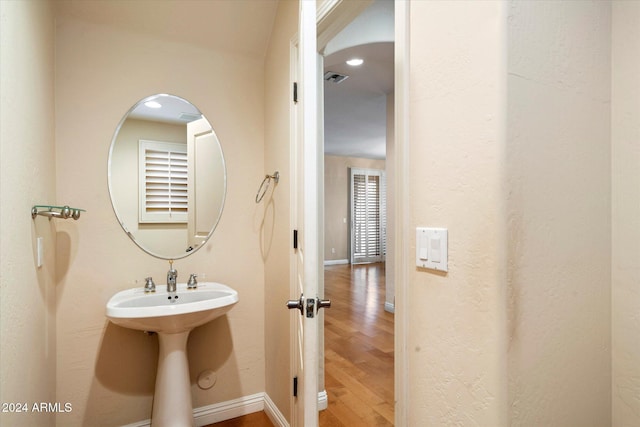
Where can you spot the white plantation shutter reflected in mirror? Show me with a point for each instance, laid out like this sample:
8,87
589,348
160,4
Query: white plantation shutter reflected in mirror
163,182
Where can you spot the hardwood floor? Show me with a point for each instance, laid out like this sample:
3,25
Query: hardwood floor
358,352
358,348
257,419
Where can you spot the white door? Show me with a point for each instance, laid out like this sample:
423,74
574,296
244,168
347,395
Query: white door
203,151
297,276
306,219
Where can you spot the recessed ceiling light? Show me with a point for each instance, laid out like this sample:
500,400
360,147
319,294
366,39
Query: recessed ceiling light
153,104
354,62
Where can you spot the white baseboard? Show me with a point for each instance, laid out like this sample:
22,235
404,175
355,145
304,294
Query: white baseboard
323,400
223,411
274,413
336,261
390,307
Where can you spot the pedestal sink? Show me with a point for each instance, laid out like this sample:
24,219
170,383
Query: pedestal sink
172,318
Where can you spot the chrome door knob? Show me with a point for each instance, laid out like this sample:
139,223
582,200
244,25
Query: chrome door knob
299,304
324,303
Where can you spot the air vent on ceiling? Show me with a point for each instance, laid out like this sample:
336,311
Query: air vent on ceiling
331,76
189,117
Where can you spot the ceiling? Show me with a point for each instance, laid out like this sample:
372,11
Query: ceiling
239,26
355,110
172,110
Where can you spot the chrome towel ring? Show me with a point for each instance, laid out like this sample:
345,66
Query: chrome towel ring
267,180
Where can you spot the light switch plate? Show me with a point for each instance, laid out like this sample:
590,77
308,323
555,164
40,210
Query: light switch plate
431,248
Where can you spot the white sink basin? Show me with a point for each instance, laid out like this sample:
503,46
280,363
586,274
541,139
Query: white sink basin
172,319
154,311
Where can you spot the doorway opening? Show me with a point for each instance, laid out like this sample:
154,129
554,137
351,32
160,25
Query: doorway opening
358,278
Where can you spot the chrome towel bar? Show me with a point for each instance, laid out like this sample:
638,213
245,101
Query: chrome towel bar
267,180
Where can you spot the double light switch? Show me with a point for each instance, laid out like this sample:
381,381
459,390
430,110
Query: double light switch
431,248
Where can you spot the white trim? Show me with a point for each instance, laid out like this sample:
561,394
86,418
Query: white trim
332,16
401,194
223,411
323,400
274,413
389,307
336,261
310,250
217,412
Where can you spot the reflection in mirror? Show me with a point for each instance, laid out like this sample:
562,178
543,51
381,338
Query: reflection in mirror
167,177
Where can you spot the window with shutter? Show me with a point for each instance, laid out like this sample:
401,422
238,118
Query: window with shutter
163,182
368,215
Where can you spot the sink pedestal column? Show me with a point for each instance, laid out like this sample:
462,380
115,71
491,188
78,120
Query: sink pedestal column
172,405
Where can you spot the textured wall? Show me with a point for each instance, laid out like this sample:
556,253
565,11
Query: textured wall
531,210
106,371
27,177
625,131
559,213
455,330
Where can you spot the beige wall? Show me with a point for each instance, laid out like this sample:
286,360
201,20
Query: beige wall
336,202
276,245
528,213
625,131
107,372
559,213
455,327
27,177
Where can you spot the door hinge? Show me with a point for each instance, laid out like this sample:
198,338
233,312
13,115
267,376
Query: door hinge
295,239
295,386
295,92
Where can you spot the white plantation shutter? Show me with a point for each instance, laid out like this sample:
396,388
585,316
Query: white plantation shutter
367,215
163,182
383,214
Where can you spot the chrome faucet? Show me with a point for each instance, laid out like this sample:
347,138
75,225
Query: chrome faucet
192,283
149,286
172,277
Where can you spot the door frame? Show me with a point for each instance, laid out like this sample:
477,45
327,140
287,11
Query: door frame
332,17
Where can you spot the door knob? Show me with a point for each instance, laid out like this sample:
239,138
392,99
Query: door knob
299,304
324,303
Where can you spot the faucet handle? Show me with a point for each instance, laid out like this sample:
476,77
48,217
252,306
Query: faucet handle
192,283
149,286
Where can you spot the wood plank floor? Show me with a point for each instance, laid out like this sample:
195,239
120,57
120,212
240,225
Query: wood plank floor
257,419
358,352
358,348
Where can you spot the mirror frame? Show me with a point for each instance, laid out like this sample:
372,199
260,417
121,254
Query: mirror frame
109,180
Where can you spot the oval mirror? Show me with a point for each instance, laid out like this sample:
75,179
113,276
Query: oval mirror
167,177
